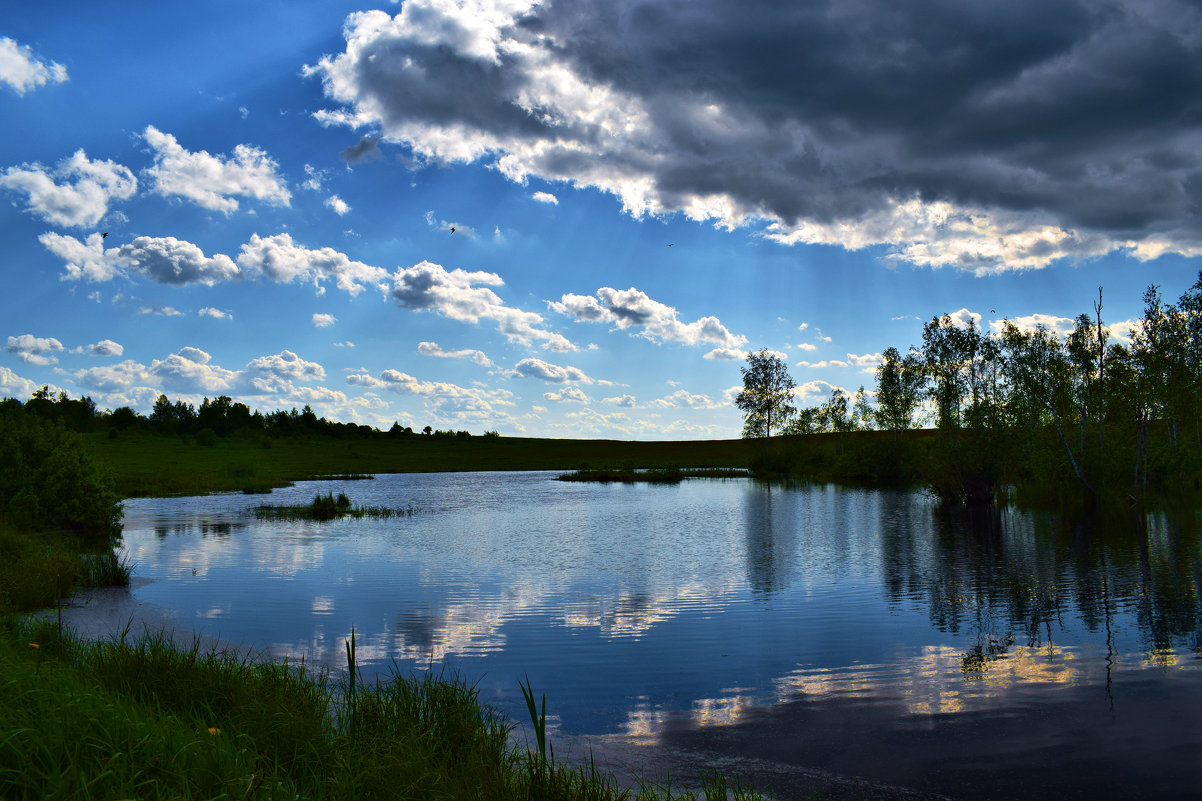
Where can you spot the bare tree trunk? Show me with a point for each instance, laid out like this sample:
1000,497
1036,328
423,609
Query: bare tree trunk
1101,364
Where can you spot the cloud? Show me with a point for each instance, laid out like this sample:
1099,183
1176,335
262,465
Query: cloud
77,192
337,204
726,354
683,398
105,347
191,370
566,395
213,182
465,296
162,311
171,261
866,360
545,197
823,364
442,399
280,259
434,349
1061,325
14,386
631,308
324,320
963,317
86,260
807,346
216,314
34,350
622,401
121,378
813,392
285,364
22,70
927,128
367,149
551,373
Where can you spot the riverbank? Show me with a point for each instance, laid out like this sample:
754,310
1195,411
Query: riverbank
644,770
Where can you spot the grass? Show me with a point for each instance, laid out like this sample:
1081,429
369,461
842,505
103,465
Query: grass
654,475
145,464
36,571
327,507
140,718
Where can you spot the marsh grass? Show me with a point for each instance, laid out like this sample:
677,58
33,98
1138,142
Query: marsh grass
327,507
136,717
38,570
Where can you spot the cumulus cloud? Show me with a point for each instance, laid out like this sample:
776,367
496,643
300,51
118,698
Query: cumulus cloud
324,320
633,309
171,261
865,360
34,350
15,386
216,314
545,197
566,395
823,364
367,149
443,399
87,260
77,192
121,378
551,373
726,354
337,204
683,398
1029,322
465,296
280,259
807,346
190,370
285,364
622,401
22,70
927,128
105,347
434,349
213,182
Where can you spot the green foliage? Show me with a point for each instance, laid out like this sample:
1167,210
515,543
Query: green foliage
767,397
48,481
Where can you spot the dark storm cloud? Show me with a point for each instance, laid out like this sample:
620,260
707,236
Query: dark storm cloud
367,149
1084,116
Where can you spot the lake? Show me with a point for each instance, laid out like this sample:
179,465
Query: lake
856,631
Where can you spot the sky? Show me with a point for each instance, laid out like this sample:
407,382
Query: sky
573,219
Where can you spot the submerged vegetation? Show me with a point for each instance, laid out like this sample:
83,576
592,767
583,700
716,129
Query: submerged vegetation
141,718
327,507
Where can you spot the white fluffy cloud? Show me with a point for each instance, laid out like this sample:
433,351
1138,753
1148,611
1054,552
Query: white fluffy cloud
444,400
465,296
77,192
865,360
34,350
171,261
683,398
215,313
566,395
631,308
545,197
105,347
622,401
338,205
551,373
191,370
86,260
213,182
286,364
22,70
280,259
1061,325
323,320
434,349
160,310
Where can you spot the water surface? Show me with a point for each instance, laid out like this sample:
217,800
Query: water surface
850,630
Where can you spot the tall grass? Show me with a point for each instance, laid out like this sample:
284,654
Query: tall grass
140,718
38,570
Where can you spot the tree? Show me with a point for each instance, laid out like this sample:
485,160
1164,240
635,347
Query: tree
767,397
900,383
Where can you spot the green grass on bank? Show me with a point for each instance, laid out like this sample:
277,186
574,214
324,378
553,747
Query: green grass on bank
38,570
144,464
138,718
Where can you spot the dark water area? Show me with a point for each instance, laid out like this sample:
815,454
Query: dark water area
856,631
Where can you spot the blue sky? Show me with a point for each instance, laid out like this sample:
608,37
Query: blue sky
640,193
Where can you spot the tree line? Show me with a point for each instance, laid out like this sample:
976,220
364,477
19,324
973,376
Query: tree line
1023,404
213,418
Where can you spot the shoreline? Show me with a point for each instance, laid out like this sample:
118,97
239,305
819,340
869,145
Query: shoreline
105,613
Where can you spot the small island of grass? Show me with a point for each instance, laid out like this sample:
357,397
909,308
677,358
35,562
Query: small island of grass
654,475
327,507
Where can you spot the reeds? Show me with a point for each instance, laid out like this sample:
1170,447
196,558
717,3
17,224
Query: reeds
327,507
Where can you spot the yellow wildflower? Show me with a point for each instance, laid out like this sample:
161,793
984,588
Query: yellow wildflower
34,646
214,730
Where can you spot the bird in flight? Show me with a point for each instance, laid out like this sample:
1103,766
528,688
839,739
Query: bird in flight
106,233
452,229
670,244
